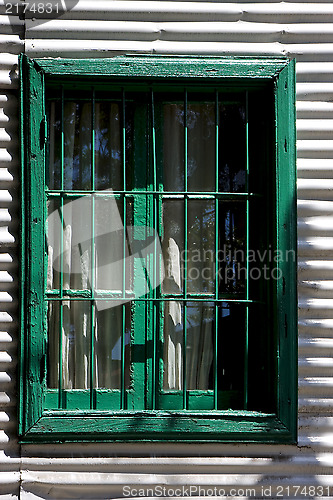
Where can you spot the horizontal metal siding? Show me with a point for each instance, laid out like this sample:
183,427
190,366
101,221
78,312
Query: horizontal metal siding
104,28
11,44
9,286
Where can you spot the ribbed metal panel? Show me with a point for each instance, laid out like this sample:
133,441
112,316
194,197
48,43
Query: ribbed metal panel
11,44
9,222
102,28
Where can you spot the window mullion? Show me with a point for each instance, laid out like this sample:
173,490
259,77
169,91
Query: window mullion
155,223
61,283
185,248
122,375
216,249
92,304
246,343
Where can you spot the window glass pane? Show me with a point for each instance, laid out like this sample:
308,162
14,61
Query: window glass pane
201,244
53,242
53,177
109,243
170,145
230,354
76,339
75,343
199,346
137,141
232,147
108,145
232,247
77,145
109,325
201,146
77,241
173,336
53,328
173,245
200,329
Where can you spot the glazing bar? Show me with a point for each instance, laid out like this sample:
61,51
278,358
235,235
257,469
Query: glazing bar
157,299
184,358
185,248
93,124
122,380
92,305
155,224
92,354
174,194
124,139
61,284
246,346
216,247
62,137
60,356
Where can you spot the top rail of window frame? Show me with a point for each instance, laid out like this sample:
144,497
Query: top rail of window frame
176,68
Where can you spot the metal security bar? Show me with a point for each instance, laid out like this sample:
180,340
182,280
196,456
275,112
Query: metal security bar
60,399
216,330
123,391
184,346
217,300
246,346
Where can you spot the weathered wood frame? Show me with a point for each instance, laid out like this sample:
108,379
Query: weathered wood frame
35,424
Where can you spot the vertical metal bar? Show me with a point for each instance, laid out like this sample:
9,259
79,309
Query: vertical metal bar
216,247
92,305
124,189
155,222
62,136
92,354
61,280
122,379
246,346
60,355
185,260
93,124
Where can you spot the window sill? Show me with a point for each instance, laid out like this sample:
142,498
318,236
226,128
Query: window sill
147,426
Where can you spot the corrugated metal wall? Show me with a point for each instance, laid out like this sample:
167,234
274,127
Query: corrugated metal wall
11,44
104,28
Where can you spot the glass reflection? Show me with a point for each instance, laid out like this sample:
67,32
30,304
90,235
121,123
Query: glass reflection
173,245
199,346
108,146
201,244
108,328
75,340
230,355
232,247
170,144
77,145
201,146
53,178
232,148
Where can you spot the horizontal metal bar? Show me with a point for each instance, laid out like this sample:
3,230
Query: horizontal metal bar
118,89
117,294
152,299
174,194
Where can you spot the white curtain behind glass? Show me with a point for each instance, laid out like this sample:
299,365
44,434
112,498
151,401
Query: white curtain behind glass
108,324
200,235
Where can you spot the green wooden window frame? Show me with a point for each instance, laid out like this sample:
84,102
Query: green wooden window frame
275,78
